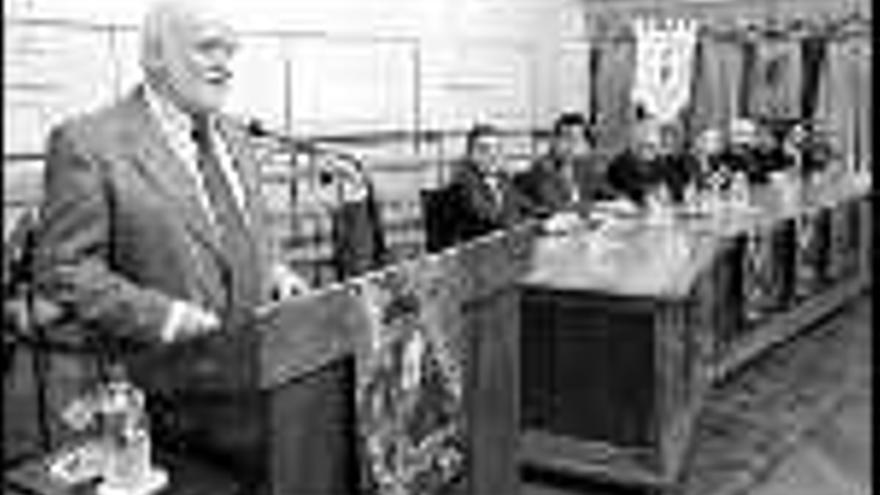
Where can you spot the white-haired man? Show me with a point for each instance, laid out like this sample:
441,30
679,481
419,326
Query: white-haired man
153,230
651,162
707,148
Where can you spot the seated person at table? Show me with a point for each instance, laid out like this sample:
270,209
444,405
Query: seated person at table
484,195
809,145
707,151
648,164
774,151
566,178
678,167
754,151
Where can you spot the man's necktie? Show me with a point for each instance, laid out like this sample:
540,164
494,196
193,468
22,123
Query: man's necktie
493,182
572,190
244,289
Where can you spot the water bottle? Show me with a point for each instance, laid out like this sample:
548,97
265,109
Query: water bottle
739,190
659,204
125,432
714,187
692,197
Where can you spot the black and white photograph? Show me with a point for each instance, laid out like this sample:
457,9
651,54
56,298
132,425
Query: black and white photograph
437,247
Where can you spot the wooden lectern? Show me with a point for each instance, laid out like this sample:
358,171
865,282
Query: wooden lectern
290,382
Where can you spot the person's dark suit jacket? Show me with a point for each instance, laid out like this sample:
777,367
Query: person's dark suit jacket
634,177
548,189
756,163
123,235
478,212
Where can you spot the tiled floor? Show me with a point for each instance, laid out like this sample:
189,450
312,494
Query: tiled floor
834,459
797,422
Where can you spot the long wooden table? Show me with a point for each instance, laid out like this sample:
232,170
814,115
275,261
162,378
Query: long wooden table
626,328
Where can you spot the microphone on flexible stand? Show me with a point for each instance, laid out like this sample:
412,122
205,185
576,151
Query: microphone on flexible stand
293,146
257,129
296,146
326,176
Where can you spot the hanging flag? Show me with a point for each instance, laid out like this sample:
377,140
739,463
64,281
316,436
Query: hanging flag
664,66
410,383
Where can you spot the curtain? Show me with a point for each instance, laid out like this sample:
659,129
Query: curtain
613,89
716,84
749,53
813,57
595,58
776,79
863,99
842,92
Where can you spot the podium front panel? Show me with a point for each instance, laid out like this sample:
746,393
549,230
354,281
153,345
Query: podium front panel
295,377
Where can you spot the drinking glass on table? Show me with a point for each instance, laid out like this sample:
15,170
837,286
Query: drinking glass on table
659,205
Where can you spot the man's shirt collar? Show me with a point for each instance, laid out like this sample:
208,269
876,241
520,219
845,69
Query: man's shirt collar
172,119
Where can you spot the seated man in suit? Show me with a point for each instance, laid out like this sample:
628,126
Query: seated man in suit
678,167
484,195
567,177
754,150
650,163
708,148
808,147
774,153
153,229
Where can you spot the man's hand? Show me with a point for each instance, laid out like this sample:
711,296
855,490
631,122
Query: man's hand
562,222
287,283
188,320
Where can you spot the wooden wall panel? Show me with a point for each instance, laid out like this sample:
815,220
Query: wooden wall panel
51,73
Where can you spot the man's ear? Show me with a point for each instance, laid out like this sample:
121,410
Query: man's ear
153,56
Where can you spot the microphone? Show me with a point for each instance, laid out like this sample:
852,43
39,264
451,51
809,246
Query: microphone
294,146
326,176
257,129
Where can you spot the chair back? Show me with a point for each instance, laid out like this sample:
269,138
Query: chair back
440,210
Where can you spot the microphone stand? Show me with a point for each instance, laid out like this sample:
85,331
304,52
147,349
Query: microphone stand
314,151
296,146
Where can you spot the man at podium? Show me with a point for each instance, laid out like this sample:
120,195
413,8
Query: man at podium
153,231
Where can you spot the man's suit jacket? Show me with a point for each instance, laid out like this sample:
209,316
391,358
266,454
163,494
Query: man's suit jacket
478,209
634,177
123,235
545,185
756,163
124,231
